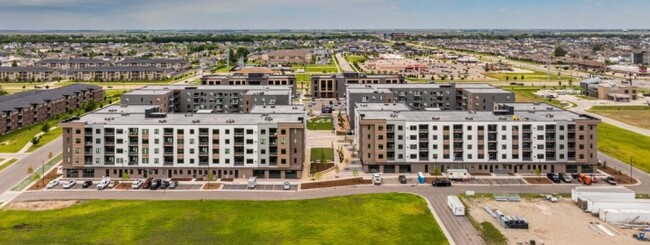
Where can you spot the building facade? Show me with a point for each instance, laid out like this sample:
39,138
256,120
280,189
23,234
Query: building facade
118,73
287,56
334,86
27,108
64,64
144,142
513,138
608,90
169,64
251,79
28,74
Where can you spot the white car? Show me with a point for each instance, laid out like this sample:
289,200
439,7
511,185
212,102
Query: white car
52,184
376,179
104,183
137,184
69,183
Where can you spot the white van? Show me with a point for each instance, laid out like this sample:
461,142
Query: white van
252,182
104,183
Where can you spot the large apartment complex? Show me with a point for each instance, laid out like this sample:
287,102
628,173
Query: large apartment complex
512,138
145,142
170,64
31,107
64,64
287,56
263,79
28,74
445,97
117,73
221,99
335,85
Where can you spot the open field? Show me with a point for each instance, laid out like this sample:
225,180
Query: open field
355,58
551,223
320,123
624,145
360,219
527,94
634,115
317,68
528,76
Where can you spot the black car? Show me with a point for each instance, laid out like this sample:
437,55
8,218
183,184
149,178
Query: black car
87,184
147,184
553,177
442,182
610,180
164,184
155,184
402,179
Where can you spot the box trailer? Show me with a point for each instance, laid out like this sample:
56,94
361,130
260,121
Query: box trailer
587,192
457,174
456,206
595,205
625,215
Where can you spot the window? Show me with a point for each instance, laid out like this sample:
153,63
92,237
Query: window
263,131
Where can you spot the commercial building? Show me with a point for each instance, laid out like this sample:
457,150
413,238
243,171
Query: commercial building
118,73
171,64
445,97
64,64
222,99
145,142
25,74
639,58
608,90
335,85
513,138
27,108
263,79
287,57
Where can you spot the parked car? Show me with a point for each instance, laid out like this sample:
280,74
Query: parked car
137,184
155,184
553,177
286,186
69,183
402,179
164,184
376,179
173,184
146,184
594,179
441,182
113,183
87,184
104,183
566,177
52,184
610,180
551,198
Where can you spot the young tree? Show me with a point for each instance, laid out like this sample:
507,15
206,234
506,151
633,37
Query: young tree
45,127
35,140
538,173
30,170
125,176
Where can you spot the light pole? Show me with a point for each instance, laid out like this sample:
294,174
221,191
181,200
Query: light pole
631,159
43,171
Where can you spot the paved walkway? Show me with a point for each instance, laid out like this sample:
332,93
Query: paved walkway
584,105
345,66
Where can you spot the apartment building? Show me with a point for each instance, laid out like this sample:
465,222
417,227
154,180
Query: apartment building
170,64
145,142
118,73
25,74
513,138
64,64
261,79
287,56
221,99
444,96
608,90
335,85
27,108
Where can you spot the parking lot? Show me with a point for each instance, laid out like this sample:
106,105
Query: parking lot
499,181
266,187
78,186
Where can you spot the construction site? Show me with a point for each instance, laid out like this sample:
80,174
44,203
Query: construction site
613,216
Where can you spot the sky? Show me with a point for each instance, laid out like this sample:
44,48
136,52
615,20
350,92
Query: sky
323,14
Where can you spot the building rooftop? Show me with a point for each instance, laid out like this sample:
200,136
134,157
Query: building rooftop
170,119
29,98
26,69
119,68
127,61
71,61
382,107
274,109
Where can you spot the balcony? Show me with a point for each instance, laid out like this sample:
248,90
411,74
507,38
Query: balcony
203,163
526,159
239,163
133,163
168,163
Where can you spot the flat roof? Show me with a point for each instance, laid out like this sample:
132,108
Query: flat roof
190,119
118,109
220,87
382,107
274,109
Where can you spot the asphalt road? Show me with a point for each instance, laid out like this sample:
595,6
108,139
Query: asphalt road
15,173
345,66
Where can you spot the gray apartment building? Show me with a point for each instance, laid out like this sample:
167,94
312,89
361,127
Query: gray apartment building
512,138
64,64
27,108
169,64
334,85
144,141
28,74
253,79
118,73
221,99
444,97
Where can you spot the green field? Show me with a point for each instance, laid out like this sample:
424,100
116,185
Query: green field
527,94
534,76
14,141
320,123
361,219
634,115
324,153
355,58
316,68
623,144
47,138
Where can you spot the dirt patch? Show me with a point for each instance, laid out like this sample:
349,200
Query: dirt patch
621,178
550,223
40,184
334,183
123,186
316,167
40,205
211,186
540,180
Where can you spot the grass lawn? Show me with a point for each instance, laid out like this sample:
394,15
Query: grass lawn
355,58
14,141
320,123
47,138
623,144
527,94
7,164
361,219
534,76
317,68
326,153
634,115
